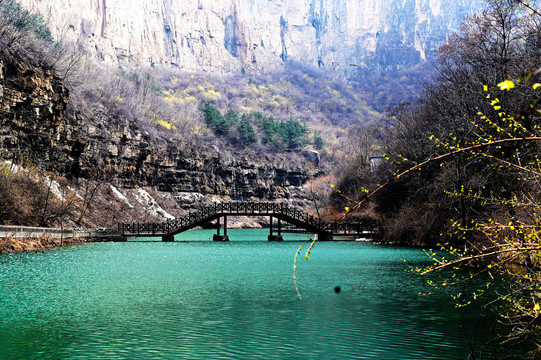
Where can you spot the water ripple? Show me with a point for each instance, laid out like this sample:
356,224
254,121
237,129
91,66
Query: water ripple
221,301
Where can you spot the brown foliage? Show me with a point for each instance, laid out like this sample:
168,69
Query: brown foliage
498,43
31,199
20,197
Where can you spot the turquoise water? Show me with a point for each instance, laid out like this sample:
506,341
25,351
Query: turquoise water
233,300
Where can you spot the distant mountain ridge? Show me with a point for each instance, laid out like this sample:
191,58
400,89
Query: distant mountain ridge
343,36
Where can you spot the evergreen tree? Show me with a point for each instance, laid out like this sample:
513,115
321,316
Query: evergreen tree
293,133
214,119
16,21
318,141
270,128
246,131
231,118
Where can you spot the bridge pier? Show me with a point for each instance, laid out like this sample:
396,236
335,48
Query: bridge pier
278,237
217,236
325,236
168,238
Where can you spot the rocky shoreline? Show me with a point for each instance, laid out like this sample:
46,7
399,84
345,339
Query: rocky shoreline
9,245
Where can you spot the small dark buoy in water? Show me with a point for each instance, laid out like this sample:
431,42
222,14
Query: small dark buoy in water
337,289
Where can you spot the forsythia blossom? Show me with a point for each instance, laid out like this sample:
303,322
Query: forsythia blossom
506,85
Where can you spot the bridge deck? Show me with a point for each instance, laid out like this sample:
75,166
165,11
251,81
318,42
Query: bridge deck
280,211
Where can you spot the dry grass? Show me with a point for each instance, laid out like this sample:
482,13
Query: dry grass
12,245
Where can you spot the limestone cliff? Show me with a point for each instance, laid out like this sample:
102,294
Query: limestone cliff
227,35
35,128
32,123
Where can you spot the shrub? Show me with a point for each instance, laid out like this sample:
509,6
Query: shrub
319,143
16,23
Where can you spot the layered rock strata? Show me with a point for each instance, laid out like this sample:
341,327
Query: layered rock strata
35,129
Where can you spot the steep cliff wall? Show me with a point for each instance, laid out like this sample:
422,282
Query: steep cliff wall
34,127
227,35
32,123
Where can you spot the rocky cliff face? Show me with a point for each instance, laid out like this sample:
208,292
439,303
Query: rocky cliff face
34,127
32,123
227,35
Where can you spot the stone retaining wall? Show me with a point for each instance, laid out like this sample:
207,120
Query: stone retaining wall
28,232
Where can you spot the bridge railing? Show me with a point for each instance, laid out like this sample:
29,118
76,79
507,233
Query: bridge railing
244,208
231,208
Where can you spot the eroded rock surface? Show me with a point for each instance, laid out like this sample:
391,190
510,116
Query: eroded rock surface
214,35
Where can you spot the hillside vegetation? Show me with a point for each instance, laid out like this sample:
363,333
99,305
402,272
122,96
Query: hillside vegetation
168,99
462,173
123,122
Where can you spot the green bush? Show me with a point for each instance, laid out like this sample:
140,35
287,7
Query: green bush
288,134
318,142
